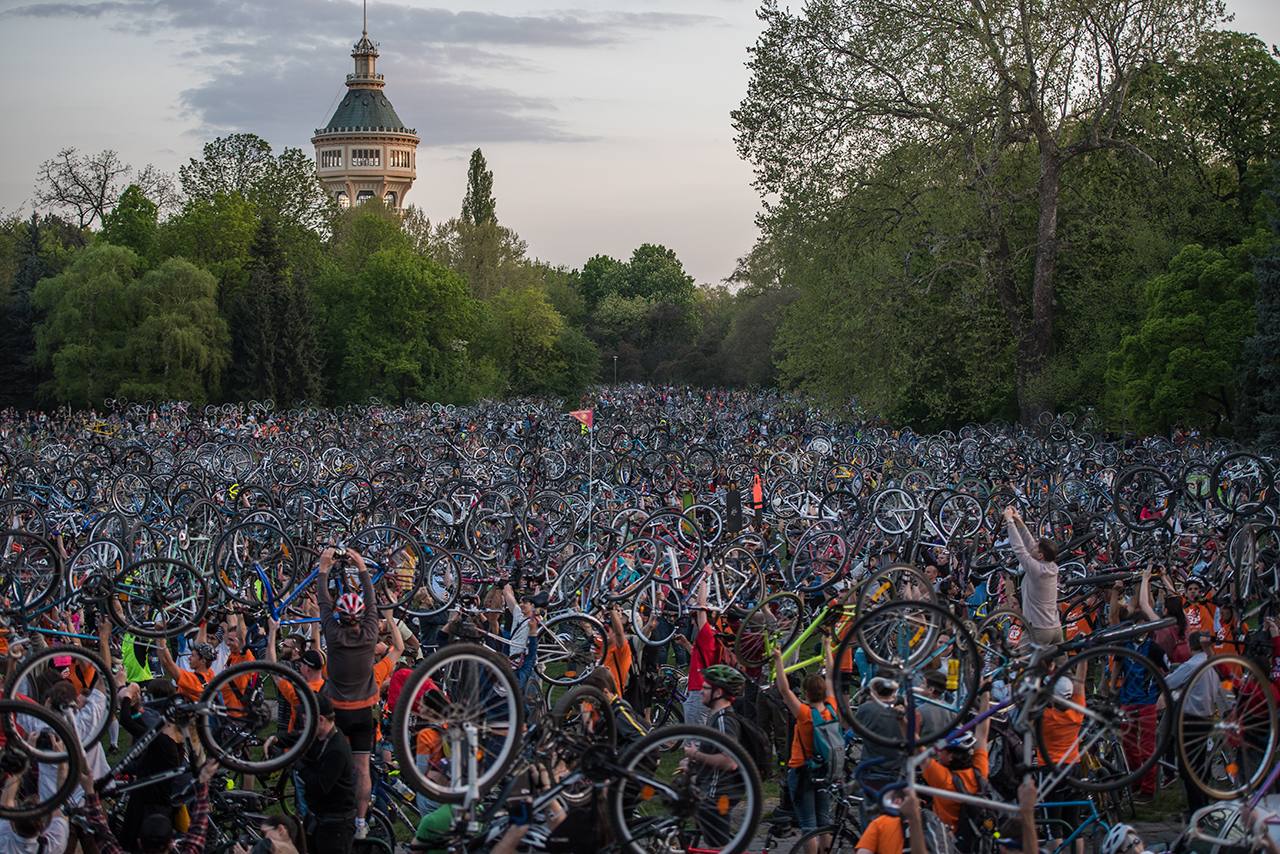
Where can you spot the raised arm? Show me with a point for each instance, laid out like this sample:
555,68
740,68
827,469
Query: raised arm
1144,594
784,687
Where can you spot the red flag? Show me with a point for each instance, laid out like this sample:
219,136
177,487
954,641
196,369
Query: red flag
583,415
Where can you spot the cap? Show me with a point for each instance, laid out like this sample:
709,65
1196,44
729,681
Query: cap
1064,687
156,826
313,659
326,705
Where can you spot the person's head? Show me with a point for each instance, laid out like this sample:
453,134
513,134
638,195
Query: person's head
935,682
602,679
1122,839
283,828
814,687
326,724
958,754
1173,608
931,573
232,640
1193,589
160,689
203,656
720,684
1046,550
349,610
1200,641
61,695
312,665
156,834
290,648
29,828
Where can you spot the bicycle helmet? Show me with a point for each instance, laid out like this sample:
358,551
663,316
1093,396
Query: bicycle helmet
1120,839
349,608
206,652
725,677
965,742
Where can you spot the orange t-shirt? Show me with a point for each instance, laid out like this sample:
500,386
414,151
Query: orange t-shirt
618,659
938,776
382,670
430,743
802,742
287,691
883,836
191,684
1199,618
241,683
1062,733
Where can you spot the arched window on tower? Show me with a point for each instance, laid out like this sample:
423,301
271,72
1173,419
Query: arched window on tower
363,196
390,199
344,201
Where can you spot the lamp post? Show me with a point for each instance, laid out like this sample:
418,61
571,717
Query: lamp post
615,370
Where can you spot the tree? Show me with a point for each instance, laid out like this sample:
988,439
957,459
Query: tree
528,328
591,281
215,234
285,187
90,185
1258,384
1002,97
478,206
176,347
1180,366
86,320
133,222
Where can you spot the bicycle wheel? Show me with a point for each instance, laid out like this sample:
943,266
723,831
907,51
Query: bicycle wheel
30,570
656,612
820,561
21,755
630,566
158,597
441,585
656,806
910,638
395,560
102,558
469,694
86,670
582,719
1228,752
782,615
897,581
1101,717
247,549
237,715
570,646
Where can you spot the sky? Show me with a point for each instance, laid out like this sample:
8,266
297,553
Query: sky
606,125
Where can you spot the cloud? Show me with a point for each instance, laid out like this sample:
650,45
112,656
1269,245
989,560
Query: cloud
268,64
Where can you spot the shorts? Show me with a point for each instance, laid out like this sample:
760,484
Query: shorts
358,726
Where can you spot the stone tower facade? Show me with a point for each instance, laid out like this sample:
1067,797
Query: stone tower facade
366,151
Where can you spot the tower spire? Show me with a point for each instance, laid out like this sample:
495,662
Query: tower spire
366,17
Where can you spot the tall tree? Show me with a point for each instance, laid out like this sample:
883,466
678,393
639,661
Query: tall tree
17,317
133,222
1258,384
255,318
216,234
1004,95
89,185
478,206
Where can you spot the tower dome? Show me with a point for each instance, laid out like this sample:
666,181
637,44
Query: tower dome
365,151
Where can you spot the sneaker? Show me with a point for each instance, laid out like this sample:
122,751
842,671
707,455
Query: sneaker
362,829
1142,798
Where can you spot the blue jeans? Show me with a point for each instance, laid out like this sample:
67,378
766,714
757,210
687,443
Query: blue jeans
812,805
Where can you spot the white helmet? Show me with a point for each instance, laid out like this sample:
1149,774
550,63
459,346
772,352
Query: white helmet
1120,839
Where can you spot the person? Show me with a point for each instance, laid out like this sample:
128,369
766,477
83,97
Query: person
190,683
702,654
328,776
1122,839
281,834
879,715
627,724
350,630
964,756
618,657
45,834
716,774
1197,717
889,834
156,834
1040,580
1060,724
1138,692
310,667
523,641
165,753
811,802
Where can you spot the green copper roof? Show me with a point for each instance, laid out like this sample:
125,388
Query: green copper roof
366,108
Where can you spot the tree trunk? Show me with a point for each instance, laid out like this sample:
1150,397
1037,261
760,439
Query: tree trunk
1035,340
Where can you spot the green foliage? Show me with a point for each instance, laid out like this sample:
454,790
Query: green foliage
133,222
406,330
1258,384
108,334
591,281
478,206
215,234
1180,365
528,329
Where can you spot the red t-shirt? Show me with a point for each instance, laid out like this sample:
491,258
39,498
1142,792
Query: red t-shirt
703,655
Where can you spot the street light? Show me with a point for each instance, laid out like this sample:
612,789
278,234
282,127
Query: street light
615,370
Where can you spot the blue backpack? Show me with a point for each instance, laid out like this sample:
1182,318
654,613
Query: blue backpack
827,763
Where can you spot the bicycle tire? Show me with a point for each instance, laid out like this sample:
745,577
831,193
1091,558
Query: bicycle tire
578,641
20,753
654,604
844,840
31,569
480,691
236,700
749,645
102,678
1239,733
1102,724
158,587
892,583
648,807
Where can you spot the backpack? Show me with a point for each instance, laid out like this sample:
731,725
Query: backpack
937,836
975,823
758,745
827,762
1006,759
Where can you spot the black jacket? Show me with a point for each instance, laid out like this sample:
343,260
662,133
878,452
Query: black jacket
329,776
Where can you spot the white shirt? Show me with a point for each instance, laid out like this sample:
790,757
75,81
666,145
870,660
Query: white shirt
1200,698
55,836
